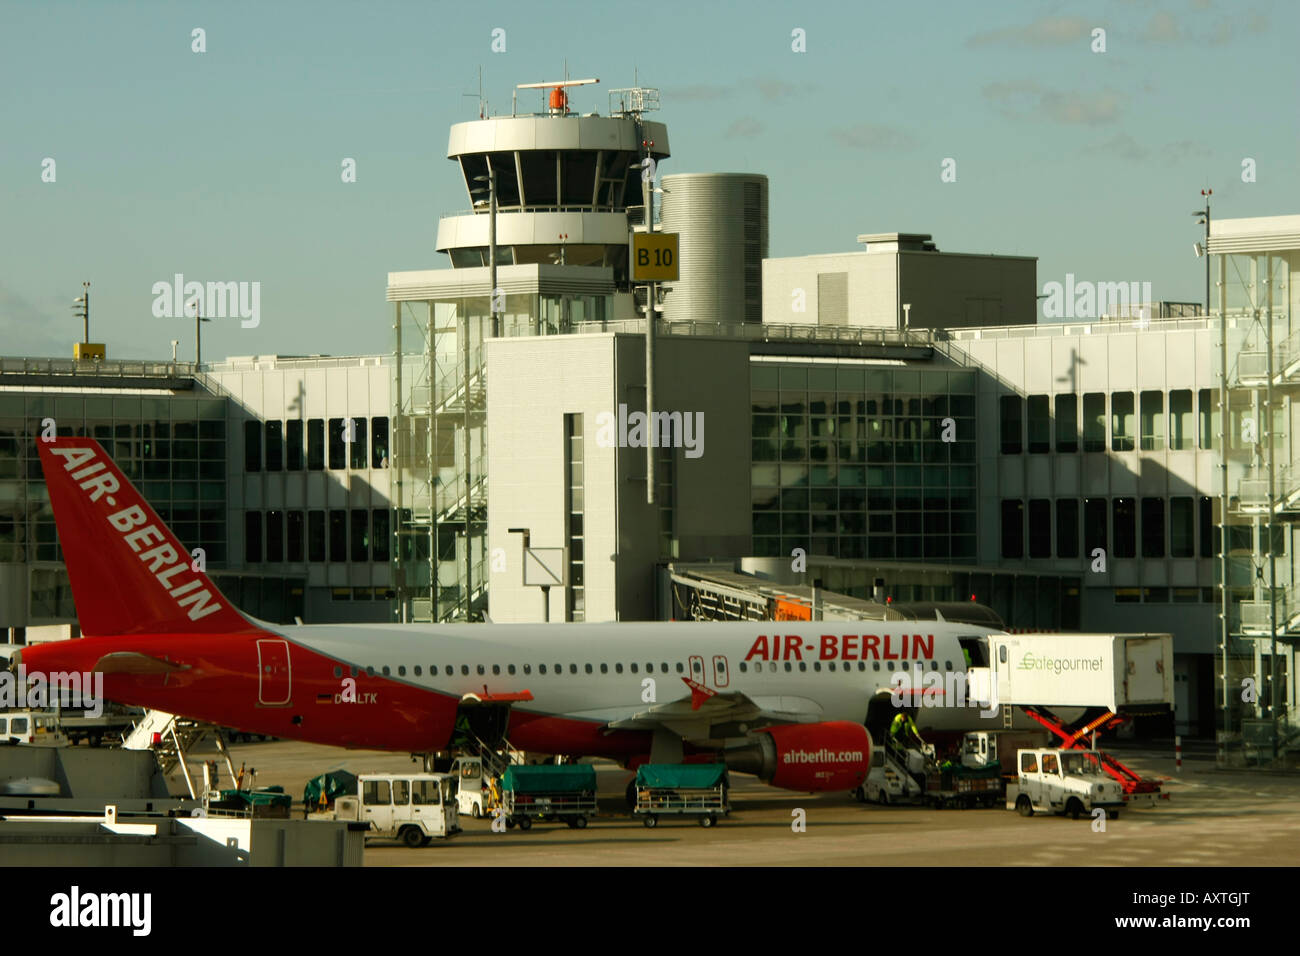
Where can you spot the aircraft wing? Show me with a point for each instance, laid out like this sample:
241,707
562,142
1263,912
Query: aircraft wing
696,716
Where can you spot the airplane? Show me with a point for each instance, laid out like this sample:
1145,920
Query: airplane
790,707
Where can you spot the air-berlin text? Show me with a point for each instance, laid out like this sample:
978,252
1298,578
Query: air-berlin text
843,647
166,562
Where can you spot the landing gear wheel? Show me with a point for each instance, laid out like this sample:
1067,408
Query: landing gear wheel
708,820
1024,806
411,836
525,824
580,823
651,821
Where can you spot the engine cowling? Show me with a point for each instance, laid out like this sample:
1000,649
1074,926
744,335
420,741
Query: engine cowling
835,755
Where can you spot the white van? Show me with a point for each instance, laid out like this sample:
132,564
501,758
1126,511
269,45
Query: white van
33,727
472,795
411,807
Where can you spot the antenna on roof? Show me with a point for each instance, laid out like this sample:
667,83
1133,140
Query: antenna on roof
482,103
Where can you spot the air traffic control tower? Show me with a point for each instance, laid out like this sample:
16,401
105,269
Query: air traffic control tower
554,195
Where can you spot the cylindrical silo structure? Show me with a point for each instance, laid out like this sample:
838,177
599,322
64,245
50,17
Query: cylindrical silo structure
722,221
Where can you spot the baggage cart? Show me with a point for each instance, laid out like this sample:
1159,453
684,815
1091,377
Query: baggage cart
687,790
548,793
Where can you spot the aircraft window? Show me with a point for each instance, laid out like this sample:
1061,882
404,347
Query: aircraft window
788,667
875,665
681,668
934,665
356,671
803,666
587,668
450,670
386,670
418,672
947,665
604,668
650,668
664,667
817,665
862,665
338,672
510,668
496,670
370,672
401,670
464,669
528,668
890,665
633,666
904,665
573,668
744,668
541,668
479,668
558,670
618,668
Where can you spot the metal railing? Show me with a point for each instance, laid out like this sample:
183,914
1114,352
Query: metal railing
102,368
550,207
756,332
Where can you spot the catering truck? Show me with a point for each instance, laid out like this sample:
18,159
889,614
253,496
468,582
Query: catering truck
1115,671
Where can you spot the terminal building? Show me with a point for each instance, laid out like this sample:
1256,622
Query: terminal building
890,424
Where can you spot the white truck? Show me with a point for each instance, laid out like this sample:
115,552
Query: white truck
411,807
36,728
1063,781
1080,670
471,788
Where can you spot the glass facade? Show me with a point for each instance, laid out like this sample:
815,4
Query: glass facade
859,461
173,449
1259,505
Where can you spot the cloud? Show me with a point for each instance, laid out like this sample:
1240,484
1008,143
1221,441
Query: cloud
746,127
698,92
1049,31
774,88
1122,145
874,137
1163,28
26,329
1028,100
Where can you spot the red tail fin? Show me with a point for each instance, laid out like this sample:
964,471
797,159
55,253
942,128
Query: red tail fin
129,573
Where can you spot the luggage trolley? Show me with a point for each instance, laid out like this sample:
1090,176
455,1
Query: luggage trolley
547,792
698,790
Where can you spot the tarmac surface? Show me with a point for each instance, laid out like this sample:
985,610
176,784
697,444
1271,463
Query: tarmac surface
1214,818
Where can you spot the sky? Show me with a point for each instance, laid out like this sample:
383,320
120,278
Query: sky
226,165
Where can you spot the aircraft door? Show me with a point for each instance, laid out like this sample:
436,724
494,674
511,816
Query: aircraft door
720,674
697,668
274,682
